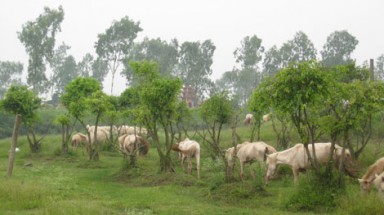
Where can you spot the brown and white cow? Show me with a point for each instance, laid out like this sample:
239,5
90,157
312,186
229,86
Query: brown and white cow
369,176
79,138
248,119
127,144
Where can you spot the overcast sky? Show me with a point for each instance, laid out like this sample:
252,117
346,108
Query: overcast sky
225,22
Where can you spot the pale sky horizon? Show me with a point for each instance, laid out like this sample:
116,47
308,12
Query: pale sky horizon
226,23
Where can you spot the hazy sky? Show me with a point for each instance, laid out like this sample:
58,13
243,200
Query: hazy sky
225,22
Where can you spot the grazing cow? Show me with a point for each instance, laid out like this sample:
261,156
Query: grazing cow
248,119
266,117
297,158
102,135
79,138
91,129
125,129
189,149
369,176
127,144
248,153
379,183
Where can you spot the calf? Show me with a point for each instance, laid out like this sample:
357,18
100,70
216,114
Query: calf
189,149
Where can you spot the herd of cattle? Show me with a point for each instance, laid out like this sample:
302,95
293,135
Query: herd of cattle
131,141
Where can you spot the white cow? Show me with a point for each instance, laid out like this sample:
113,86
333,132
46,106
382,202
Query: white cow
266,117
248,152
379,183
189,149
297,158
126,129
91,128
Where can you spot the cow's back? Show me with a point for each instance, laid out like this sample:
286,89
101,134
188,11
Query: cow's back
251,151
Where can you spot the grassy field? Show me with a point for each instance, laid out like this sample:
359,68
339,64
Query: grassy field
47,183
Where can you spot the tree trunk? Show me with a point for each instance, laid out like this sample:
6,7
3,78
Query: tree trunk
64,140
166,164
11,159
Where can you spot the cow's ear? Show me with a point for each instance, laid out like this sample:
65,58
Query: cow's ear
382,178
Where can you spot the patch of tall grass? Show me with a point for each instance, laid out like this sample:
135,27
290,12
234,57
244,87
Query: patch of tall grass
316,192
356,203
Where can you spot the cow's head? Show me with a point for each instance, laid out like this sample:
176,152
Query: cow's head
271,162
229,154
365,185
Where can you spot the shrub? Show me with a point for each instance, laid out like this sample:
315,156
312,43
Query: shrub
317,193
356,204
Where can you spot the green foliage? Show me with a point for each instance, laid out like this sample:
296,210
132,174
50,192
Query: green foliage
10,73
195,61
20,100
163,53
260,102
217,109
38,37
145,71
338,48
113,46
118,38
76,92
299,49
299,85
314,193
160,96
64,70
356,203
156,107
249,55
63,120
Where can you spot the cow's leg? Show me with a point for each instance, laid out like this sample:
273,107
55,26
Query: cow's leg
295,172
189,165
198,165
182,161
252,171
242,170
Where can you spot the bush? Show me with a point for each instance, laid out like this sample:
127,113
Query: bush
356,203
317,193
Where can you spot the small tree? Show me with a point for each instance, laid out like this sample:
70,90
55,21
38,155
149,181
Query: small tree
77,97
66,130
158,98
114,45
10,74
259,103
38,37
23,103
216,112
299,91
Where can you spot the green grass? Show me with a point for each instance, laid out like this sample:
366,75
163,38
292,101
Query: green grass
53,184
